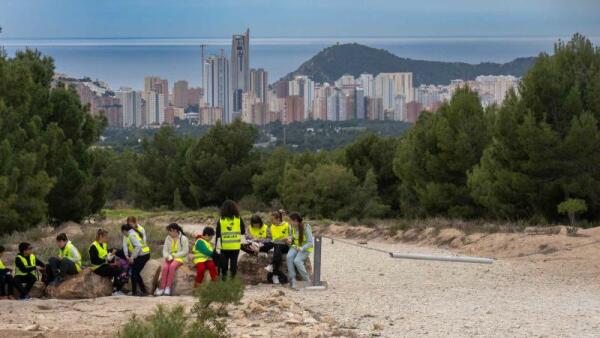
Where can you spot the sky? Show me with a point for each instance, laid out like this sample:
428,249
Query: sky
35,19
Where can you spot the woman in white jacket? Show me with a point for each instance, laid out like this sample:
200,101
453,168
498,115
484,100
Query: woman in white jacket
175,251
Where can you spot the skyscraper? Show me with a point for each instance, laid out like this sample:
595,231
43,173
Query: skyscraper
259,83
132,107
367,83
180,94
157,85
240,69
155,107
216,84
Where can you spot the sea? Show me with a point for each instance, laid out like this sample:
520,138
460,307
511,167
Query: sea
126,61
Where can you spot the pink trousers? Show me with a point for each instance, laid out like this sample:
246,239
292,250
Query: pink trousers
168,273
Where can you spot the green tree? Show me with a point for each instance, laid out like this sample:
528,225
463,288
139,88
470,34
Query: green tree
546,142
433,159
572,207
266,182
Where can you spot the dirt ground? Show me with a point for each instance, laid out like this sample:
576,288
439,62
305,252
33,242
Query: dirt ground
542,285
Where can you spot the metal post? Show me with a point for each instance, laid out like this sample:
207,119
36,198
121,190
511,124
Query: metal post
460,259
317,262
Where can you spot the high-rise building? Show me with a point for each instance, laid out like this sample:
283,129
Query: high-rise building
345,80
131,102
216,85
413,110
180,94
333,105
240,69
368,84
493,89
320,102
155,108
110,107
399,108
360,103
385,89
259,83
375,108
294,109
209,116
157,85
281,89
195,95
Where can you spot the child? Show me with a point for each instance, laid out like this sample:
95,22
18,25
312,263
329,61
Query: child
138,253
280,232
6,279
204,255
230,229
175,251
103,261
68,261
26,268
302,246
132,221
257,237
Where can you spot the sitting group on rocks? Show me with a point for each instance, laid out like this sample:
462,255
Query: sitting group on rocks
216,250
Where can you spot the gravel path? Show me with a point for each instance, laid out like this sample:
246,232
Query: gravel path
379,295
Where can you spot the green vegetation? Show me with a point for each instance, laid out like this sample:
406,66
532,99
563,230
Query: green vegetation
572,207
352,58
206,320
48,169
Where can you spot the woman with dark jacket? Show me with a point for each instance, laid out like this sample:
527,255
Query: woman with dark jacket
230,228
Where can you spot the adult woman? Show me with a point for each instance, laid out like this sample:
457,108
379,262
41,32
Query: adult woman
175,251
103,261
230,229
139,255
301,247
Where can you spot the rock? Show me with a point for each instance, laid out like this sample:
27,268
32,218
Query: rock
33,327
377,326
150,275
183,285
252,269
38,290
86,284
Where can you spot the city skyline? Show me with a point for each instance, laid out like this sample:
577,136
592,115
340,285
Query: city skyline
183,18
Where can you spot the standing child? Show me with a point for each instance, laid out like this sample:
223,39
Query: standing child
26,268
302,246
138,253
230,229
204,256
103,261
175,251
6,279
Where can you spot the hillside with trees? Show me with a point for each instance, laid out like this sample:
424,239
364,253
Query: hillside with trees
355,59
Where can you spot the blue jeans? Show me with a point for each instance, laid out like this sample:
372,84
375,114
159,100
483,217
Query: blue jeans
295,260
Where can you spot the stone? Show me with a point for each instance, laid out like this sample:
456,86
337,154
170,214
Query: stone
33,327
252,269
85,284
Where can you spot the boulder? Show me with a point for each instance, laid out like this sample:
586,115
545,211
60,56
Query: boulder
252,269
86,284
183,285
37,290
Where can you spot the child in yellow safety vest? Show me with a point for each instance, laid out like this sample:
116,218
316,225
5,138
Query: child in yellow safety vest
280,233
204,256
175,251
103,261
26,268
6,279
68,261
258,237
300,250
230,228
138,253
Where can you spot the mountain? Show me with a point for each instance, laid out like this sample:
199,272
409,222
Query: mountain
352,58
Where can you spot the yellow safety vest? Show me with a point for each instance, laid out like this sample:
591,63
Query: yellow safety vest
231,235
199,257
2,265
66,253
145,248
295,234
28,264
102,252
258,233
175,249
281,231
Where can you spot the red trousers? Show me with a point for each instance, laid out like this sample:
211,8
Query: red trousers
201,267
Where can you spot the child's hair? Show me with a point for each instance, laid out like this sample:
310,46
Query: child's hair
208,231
175,226
126,227
278,215
229,209
294,216
62,237
255,219
2,249
131,220
23,246
101,232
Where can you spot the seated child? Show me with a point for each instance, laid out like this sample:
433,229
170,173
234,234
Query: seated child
204,256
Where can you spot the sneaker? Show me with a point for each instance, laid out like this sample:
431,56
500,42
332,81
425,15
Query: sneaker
269,268
167,292
275,279
294,284
25,298
118,293
159,292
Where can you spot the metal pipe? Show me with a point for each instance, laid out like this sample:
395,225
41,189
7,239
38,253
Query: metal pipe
317,262
460,259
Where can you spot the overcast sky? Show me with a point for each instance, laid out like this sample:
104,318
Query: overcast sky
297,18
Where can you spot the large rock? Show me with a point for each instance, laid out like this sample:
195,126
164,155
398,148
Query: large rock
252,269
37,290
86,284
185,277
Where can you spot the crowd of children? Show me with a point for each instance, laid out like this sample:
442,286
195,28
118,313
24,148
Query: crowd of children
216,250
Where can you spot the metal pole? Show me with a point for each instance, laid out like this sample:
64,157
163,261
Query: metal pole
460,259
317,267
